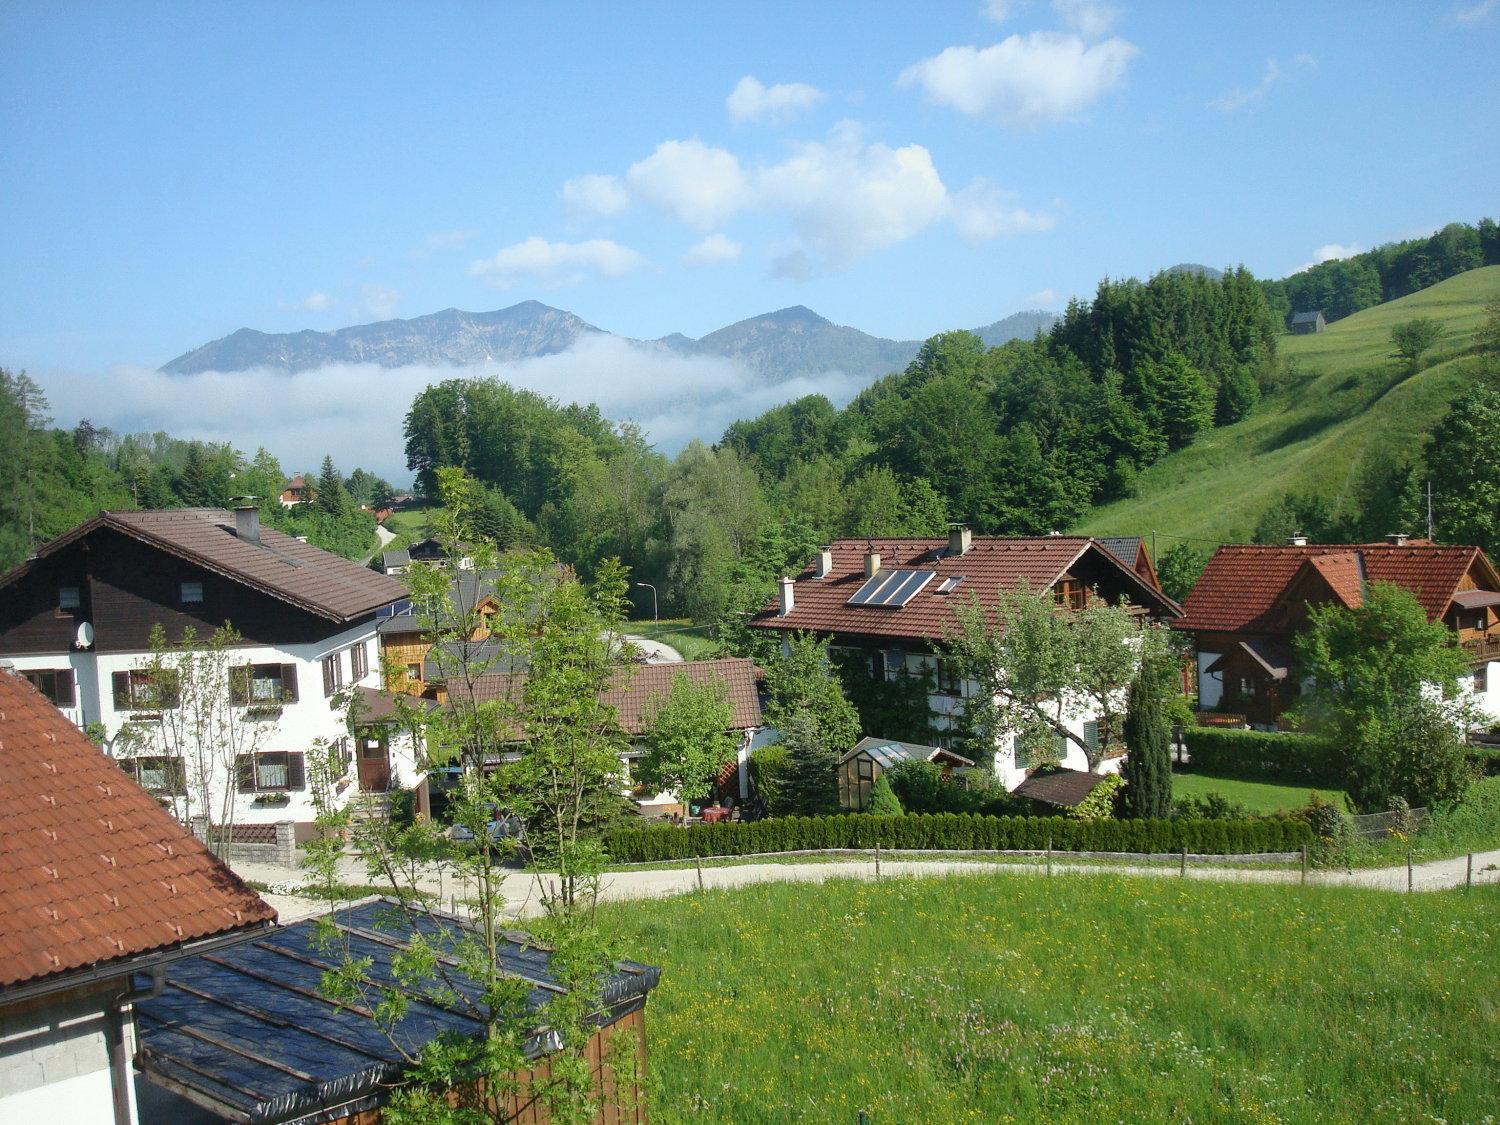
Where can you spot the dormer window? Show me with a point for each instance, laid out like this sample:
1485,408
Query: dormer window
192,593
68,598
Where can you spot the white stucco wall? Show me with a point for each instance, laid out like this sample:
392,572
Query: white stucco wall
1210,685
54,1062
296,728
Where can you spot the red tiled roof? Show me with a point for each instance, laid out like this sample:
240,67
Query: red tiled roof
279,565
636,687
92,869
1241,586
988,566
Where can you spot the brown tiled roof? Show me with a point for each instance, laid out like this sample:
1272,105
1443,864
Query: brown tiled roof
990,565
635,688
1060,787
1242,585
92,869
1344,572
279,565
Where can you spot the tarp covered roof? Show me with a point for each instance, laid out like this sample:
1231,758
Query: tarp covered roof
247,1033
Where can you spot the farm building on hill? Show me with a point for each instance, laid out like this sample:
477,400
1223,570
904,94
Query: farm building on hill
1307,323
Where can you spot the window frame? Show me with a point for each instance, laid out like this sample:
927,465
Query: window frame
359,662
247,676
248,772
333,674
63,608
171,764
65,675
182,592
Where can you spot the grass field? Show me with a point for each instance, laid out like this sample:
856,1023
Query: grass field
691,640
1257,796
1069,999
1344,396
411,521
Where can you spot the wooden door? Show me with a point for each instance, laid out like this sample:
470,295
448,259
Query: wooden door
374,765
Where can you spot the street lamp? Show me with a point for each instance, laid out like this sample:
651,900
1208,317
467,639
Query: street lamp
655,617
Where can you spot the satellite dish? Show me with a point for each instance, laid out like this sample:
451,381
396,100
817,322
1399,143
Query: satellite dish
85,635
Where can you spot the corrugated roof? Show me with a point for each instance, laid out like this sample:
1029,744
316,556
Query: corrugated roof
635,689
279,565
990,565
92,869
249,1033
1242,585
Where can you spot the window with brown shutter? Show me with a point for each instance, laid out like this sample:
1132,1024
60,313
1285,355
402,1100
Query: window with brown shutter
264,685
333,674
359,660
271,771
55,683
289,683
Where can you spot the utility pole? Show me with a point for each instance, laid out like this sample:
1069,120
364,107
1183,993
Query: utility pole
1429,509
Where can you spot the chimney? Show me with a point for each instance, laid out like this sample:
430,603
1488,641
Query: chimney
1397,538
960,538
1298,540
825,562
788,599
247,523
872,562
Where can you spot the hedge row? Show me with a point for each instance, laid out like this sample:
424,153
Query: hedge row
958,831
1271,755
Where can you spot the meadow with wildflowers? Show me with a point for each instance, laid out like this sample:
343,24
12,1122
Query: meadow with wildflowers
1099,998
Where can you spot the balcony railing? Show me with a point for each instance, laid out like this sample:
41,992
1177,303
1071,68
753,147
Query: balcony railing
1483,648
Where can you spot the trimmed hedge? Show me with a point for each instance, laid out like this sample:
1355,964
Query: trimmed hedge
958,831
1264,755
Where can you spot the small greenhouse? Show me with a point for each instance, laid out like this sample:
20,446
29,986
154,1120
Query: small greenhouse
871,757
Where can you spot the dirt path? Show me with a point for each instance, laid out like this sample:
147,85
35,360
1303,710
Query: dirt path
521,890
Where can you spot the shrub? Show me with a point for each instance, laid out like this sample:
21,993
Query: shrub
957,831
1485,757
1100,804
768,773
883,800
922,787
1264,755
1211,806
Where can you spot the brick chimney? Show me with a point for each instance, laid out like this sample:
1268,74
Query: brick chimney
872,562
788,597
825,562
960,539
247,522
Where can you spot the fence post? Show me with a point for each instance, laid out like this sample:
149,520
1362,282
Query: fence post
1408,869
877,859
1469,873
1304,865
1049,853
698,863
1183,869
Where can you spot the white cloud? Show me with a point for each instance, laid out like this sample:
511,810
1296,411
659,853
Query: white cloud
674,397
449,239
998,10
1044,298
1089,18
714,250
380,301
313,302
1275,74
556,263
982,211
1025,79
1330,252
699,184
594,194
751,100
1474,13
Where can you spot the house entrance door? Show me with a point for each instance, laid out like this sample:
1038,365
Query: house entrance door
374,765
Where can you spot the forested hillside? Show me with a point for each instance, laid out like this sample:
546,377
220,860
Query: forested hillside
1343,446
1343,287
52,479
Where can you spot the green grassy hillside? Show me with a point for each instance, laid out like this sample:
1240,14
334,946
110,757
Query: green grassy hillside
1343,395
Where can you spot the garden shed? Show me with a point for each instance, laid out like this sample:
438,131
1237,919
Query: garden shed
245,1034
871,757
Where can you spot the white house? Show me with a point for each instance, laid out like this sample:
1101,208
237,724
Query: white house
889,603
97,884
76,620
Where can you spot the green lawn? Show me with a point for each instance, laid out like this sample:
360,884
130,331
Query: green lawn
1257,796
691,640
412,521
1072,999
1344,397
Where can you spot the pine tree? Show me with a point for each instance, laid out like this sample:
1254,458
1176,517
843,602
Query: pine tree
883,799
1148,767
811,784
331,496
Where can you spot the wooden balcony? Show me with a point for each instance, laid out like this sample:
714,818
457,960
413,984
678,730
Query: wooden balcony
1483,647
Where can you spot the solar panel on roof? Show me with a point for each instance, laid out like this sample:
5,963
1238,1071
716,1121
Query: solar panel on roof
891,588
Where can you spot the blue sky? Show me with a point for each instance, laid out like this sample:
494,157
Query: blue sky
171,173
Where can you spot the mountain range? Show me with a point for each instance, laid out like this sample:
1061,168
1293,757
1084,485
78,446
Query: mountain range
777,346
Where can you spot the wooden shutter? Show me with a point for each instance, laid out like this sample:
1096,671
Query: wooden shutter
239,684
289,683
296,771
328,668
120,684
244,773
66,695
1091,735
